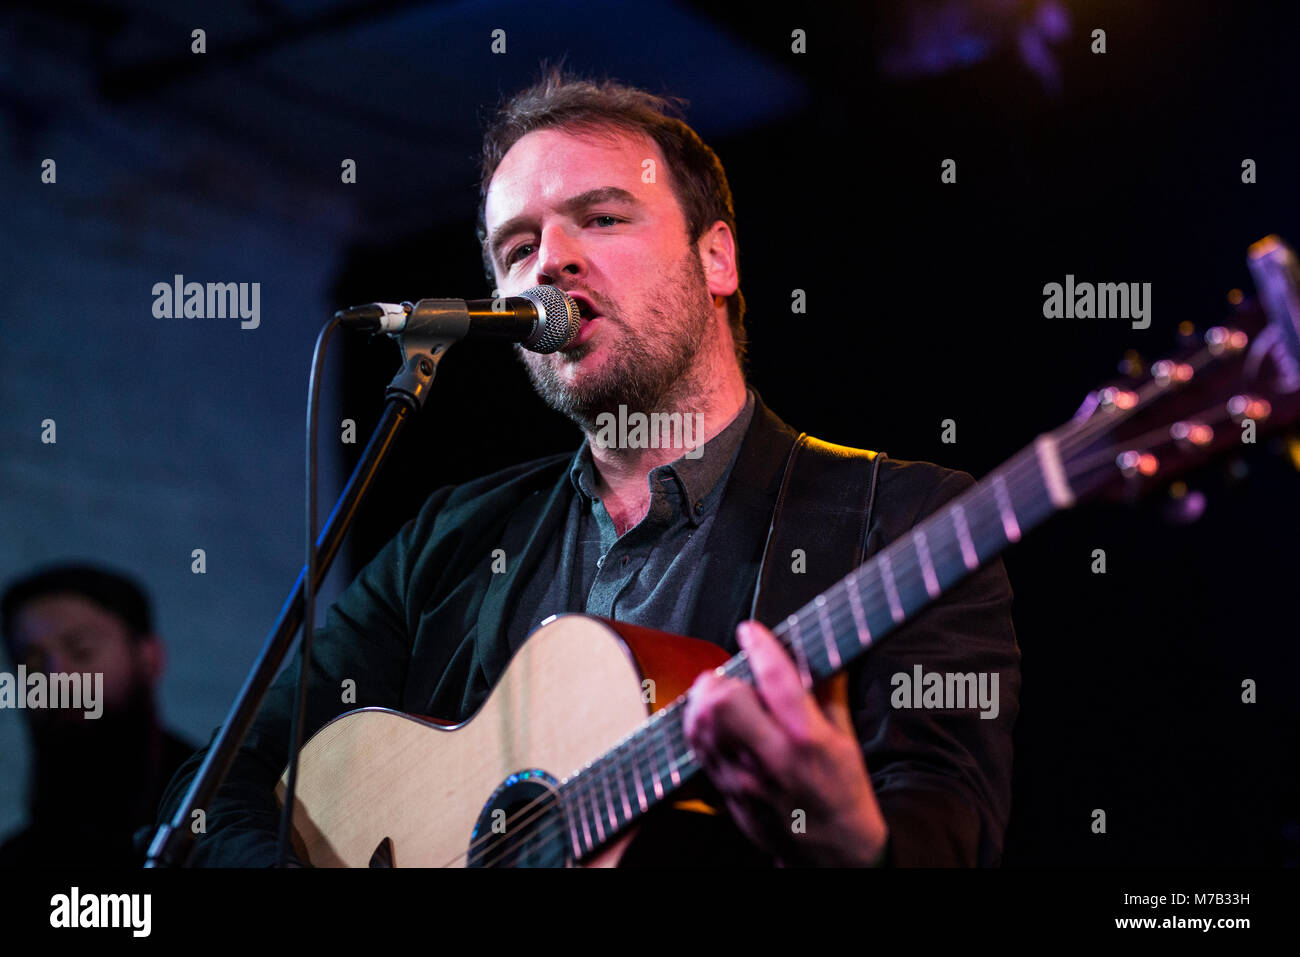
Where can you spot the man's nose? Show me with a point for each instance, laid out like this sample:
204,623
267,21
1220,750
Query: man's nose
560,254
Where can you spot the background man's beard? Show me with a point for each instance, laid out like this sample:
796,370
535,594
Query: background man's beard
98,765
640,372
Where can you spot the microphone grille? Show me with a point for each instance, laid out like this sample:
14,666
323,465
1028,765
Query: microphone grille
558,320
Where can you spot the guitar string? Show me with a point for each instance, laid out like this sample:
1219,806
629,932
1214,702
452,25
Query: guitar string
582,788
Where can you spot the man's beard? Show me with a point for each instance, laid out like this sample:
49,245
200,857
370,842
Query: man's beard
106,762
644,371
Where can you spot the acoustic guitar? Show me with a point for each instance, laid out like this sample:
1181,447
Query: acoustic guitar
571,750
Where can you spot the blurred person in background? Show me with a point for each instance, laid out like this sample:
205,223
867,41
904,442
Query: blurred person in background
94,781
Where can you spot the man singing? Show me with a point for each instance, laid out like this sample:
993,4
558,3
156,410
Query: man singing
596,190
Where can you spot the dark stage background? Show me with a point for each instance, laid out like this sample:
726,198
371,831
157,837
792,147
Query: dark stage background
925,302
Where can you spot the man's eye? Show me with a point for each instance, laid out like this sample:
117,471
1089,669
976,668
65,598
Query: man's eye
513,256
514,253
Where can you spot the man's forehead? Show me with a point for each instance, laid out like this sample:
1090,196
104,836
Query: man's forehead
550,166
54,614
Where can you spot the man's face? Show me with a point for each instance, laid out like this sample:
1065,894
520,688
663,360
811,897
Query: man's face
63,633
571,210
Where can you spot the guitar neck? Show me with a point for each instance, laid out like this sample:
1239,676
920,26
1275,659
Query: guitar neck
828,633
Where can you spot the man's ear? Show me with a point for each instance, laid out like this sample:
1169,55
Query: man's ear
151,658
717,248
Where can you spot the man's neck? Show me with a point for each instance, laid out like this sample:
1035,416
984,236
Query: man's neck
621,472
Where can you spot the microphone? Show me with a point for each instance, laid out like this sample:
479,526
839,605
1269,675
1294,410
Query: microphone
541,319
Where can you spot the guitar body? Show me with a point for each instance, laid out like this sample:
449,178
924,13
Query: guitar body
377,787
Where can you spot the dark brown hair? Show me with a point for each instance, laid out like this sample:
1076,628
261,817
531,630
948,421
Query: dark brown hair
116,593
560,101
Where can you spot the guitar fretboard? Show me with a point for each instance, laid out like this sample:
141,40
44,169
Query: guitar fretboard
828,633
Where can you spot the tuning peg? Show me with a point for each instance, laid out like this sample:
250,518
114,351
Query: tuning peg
1112,398
1133,463
1249,407
1221,339
1189,433
1167,370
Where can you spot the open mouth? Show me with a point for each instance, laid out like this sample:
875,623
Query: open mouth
587,313
585,309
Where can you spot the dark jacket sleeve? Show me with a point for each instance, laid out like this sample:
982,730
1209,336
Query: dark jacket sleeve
365,640
942,778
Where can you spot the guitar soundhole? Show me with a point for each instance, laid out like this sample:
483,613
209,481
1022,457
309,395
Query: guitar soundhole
521,825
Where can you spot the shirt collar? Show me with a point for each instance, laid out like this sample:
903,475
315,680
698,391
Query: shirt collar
697,473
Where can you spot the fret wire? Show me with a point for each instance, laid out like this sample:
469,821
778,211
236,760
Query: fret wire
586,831
595,815
640,788
627,804
573,832
800,653
922,546
891,587
828,633
655,779
609,804
859,616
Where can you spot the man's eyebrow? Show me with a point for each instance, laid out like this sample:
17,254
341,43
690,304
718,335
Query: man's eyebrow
592,197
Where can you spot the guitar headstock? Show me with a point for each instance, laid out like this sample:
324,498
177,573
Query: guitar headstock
1225,388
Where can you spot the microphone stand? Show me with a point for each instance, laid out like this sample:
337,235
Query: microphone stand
174,842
